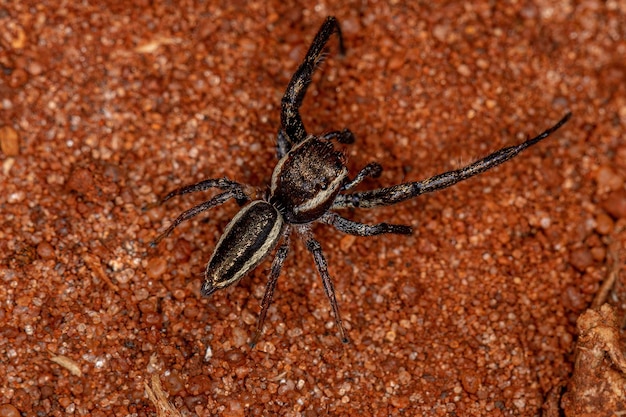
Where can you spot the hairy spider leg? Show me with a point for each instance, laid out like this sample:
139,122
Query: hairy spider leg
194,211
351,227
322,267
277,264
402,192
292,129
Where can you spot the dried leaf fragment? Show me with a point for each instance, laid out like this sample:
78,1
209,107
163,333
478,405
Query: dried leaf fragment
67,363
598,386
159,398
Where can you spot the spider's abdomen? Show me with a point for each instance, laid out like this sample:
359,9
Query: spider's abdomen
306,181
248,239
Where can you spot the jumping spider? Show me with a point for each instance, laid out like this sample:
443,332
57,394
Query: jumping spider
309,182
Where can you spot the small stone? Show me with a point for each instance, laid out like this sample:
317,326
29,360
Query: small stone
615,205
464,70
604,224
9,141
206,27
34,68
400,401
581,259
7,410
148,306
199,384
470,382
441,32
81,181
390,336
395,63
18,78
346,242
156,267
16,35
16,197
7,164
598,253
234,408
45,251
173,383
573,298
240,336
608,179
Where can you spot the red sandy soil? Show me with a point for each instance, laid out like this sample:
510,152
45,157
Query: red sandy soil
106,105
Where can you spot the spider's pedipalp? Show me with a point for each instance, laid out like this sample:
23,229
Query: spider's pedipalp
344,136
194,211
372,170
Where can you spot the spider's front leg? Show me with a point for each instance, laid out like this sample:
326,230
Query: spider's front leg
402,192
292,129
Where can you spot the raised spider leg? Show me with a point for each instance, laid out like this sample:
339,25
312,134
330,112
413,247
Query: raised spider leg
402,192
186,215
277,264
322,267
292,129
372,169
343,136
359,229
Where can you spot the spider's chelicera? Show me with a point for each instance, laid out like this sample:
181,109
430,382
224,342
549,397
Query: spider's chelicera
308,184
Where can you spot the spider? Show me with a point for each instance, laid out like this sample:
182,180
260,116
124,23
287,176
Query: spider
310,181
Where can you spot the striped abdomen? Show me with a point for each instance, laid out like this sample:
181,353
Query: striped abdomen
248,238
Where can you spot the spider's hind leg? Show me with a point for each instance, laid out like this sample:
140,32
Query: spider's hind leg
359,229
194,211
277,264
240,192
322,267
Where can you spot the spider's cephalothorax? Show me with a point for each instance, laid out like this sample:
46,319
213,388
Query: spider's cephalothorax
308,183
306,180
